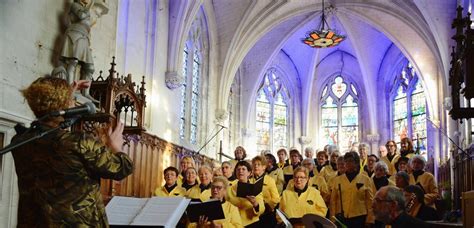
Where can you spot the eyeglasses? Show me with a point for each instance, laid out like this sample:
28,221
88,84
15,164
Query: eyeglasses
217,187
299,177
391,145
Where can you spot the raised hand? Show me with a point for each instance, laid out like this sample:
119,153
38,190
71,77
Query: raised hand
115,138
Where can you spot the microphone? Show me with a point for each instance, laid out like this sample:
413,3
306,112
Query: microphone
86,108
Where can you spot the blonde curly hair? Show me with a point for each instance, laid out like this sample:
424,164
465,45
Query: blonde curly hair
48,94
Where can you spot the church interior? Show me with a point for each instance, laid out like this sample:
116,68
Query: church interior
201,77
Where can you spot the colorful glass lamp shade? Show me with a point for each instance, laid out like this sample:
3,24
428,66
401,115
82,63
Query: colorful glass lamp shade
323,37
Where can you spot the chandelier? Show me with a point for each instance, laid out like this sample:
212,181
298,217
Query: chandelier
322,37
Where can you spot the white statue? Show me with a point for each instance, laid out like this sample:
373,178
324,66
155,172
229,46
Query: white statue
77,45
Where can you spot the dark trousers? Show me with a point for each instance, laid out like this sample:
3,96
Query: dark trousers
356,222
268,219
379,224
254,225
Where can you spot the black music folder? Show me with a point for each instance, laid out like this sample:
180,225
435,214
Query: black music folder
247,189
212,209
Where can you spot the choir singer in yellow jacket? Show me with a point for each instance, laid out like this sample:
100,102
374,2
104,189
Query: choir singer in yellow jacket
354,192
302,199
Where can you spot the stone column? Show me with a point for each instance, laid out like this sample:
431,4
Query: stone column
373,140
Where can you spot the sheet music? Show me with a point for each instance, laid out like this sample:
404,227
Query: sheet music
122,210
156,211
163,211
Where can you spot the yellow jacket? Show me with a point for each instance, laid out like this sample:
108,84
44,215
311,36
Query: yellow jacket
180,180
429,186
279,179
247,212
391,164
232,217
284,164
319,173
363,162
288,173
309,202
327,172
195,193
269,191
316,182
357,197
177,191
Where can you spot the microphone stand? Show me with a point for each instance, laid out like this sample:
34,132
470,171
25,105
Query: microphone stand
63,125
208,141
450,139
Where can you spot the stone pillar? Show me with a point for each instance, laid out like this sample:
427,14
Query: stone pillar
248,144
373,140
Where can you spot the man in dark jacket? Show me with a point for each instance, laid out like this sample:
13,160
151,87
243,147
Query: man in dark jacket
389,208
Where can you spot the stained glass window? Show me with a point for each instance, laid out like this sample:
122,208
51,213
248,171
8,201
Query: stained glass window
409,109
192,71
182,120
272,114
195,95
400,126
339,114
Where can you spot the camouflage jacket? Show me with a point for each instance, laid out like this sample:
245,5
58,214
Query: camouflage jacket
59,177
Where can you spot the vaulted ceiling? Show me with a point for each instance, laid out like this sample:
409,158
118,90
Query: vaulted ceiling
250,33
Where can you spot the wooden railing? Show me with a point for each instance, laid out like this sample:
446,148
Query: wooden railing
463,175
120,98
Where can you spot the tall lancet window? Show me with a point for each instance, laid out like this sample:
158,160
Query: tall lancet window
339,113
192,69
195,94
409,108
272,114
182,120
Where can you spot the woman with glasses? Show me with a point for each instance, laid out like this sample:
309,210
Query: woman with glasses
314,181
301,199
190,181
231,212
391,157
250,207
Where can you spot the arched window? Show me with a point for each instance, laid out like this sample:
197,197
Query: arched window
339,113
192,74
182,120
409,109
272,114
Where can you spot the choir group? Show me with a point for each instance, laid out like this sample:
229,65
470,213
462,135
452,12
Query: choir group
339,187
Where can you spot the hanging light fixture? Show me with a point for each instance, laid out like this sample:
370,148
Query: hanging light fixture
323,37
